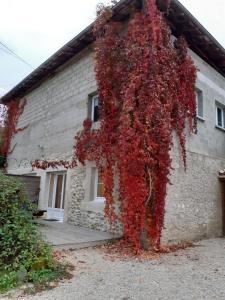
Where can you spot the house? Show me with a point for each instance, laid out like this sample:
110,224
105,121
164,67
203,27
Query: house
61,93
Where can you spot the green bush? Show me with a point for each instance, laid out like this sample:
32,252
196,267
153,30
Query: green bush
24,256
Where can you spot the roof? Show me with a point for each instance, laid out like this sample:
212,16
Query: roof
179,18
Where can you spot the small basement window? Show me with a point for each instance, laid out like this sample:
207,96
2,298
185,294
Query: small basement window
99,187
220,111
199,103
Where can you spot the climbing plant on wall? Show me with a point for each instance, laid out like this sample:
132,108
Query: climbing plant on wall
14,110
146,84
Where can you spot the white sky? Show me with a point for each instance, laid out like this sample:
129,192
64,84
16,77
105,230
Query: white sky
37,29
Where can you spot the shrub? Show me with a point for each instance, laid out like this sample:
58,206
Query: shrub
24,256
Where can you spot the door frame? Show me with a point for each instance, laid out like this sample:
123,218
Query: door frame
53,212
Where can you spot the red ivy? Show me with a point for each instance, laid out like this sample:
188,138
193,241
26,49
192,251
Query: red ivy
53,164
14,111
146,87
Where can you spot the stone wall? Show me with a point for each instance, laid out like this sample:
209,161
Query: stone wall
55,111
194,200
82,211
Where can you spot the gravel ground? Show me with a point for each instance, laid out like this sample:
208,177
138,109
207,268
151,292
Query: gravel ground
194,273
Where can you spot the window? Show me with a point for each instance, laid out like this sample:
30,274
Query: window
56,195
199,103
99,187
95,108
220,116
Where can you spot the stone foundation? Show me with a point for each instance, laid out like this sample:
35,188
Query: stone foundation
83,213
193,204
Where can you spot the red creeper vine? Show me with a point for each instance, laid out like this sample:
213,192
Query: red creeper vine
146,83
146,87
13,112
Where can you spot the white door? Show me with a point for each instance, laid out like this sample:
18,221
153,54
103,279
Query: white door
57,184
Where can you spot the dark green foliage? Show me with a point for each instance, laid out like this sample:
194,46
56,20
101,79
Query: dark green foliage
24,256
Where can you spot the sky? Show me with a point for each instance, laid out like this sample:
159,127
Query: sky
34,30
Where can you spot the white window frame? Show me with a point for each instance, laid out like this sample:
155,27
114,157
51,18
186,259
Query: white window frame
198,94
96,198
93,98
221,107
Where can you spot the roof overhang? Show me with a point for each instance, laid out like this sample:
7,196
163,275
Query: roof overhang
179,18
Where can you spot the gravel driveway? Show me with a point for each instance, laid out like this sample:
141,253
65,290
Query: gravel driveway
194,273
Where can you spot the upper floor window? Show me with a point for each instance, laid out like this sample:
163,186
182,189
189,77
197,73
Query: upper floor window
199,103
220,113
95,108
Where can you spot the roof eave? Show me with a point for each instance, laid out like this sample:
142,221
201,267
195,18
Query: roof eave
180,19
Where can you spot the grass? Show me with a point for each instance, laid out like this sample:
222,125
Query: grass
34,281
